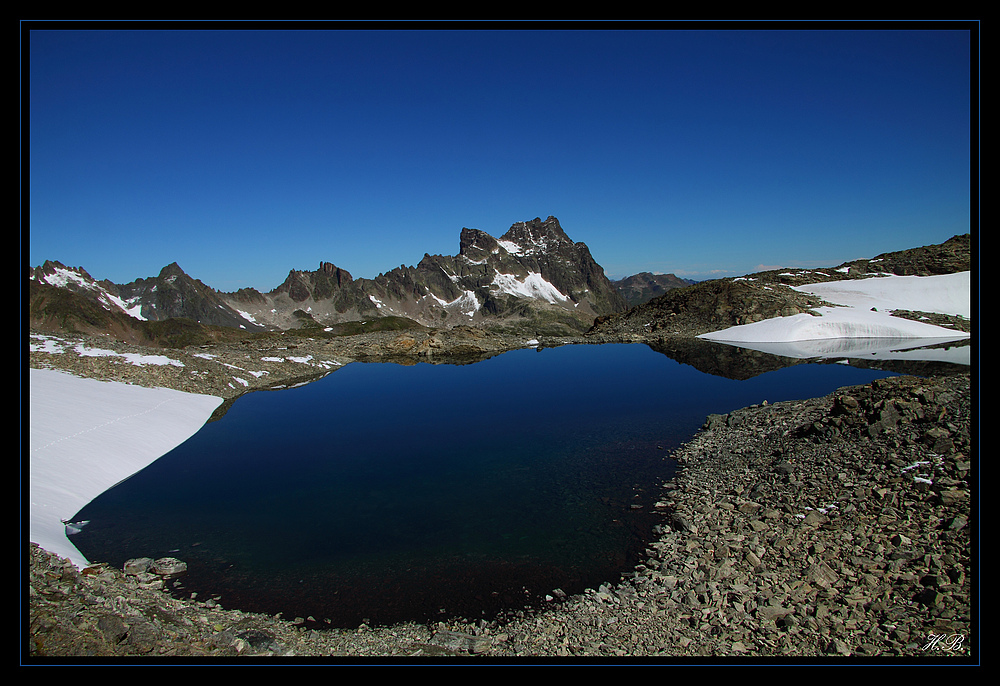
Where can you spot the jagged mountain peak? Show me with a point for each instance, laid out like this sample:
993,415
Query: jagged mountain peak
57,274
320,284
474,243
332,271
172,269
535,236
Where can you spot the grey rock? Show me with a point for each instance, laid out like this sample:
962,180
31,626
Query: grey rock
168,566
139,565
112,627
460,642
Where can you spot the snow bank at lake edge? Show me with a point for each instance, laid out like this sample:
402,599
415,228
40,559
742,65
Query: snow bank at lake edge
85,436
863,311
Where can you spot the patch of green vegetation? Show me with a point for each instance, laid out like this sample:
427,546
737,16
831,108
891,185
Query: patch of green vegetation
543,323
306,320
180,332
390,323
310,328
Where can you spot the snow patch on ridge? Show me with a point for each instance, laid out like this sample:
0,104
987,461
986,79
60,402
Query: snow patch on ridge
944,294
467,303
246,315
533,286
511,247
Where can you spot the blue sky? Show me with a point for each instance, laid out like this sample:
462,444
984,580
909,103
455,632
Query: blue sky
241,154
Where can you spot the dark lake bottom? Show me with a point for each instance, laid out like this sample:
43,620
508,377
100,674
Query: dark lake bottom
386,492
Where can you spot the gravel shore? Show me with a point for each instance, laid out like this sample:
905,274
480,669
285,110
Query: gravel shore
838,528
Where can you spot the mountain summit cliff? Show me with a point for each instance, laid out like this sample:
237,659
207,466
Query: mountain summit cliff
533,273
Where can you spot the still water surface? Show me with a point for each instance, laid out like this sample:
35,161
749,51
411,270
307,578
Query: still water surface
386,492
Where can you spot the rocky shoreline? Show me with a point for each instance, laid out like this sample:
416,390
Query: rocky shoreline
228,370
837,528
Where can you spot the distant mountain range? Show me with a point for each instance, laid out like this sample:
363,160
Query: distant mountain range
532,280
534,276
643,287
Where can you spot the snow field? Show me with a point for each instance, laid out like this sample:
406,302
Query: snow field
863,310
85,436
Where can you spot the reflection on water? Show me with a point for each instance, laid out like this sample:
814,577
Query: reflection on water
386,492
950,350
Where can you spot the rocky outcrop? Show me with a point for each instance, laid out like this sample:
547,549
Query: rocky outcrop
954,255
707,306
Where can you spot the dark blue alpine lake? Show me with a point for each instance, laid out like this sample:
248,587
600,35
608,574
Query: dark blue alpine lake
388,492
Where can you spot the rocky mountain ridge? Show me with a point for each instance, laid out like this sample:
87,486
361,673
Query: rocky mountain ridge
70,299
533,272
533,275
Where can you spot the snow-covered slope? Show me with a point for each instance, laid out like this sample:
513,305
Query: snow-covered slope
85,436
944,294
863,310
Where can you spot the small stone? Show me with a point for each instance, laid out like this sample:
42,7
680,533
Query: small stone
814,518
952,496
